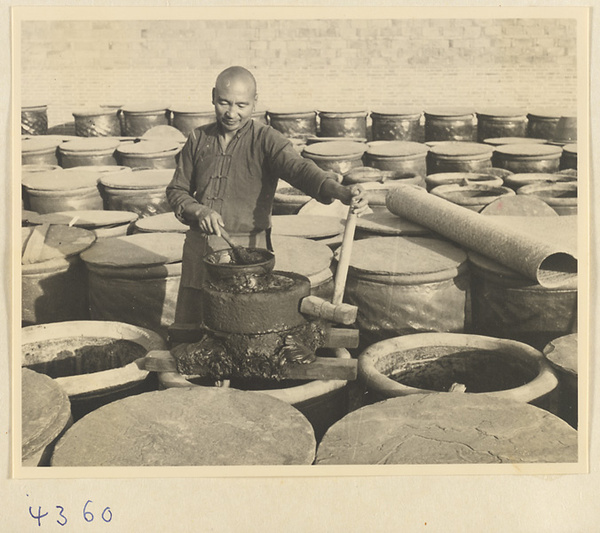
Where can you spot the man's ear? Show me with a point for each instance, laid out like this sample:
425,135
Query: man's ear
213,96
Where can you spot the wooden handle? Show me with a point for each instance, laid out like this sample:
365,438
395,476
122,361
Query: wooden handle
320,308
344,260
227,238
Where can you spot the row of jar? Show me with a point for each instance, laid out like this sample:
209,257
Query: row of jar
435,124
405,157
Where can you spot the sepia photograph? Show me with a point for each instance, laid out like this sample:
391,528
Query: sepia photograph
299,242
265,242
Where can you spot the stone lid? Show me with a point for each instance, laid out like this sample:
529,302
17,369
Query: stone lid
33,169
528,206
557,191
398,149
59,180
139,179
191,109
191,426
382,222
88,219
405,256
142,249
33,106
302,256
570,148
335,149
291,113
306,226
343,113
90,144
164,133
163,223
546,113
502,112
489,265
398,112
449,111
529,150
60,242
99,170
94,112
46,411
448,429
148,147
499,141
150,107
459,148
527,178
316,139
40,143
562,352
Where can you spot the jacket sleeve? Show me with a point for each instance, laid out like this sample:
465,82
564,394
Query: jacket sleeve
286,163
181,190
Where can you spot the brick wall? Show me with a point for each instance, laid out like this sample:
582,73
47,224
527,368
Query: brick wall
303,63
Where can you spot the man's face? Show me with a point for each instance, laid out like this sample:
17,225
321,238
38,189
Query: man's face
234,103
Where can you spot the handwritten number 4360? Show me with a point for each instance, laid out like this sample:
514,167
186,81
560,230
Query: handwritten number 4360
62,517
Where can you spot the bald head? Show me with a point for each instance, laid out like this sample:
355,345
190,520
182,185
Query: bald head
234,96
236,76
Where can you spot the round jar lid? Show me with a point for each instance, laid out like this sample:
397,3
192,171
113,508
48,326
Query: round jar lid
562,352
449,112
59,180
291,113
34,107
99,170
190,426
405,255
142,249
471,194
458,148
307,226
139,179
546,113
489,265
499,141
527,178
407,112
152,107
502,113
95,112
519,205
191,109
336,149
570,148
448,429
316,139
165,133
148,147
382,222
34,169
163,223
302,256
90,144
88,219
564,190
46,411
341,113
529,150
60,242
40,143
398,149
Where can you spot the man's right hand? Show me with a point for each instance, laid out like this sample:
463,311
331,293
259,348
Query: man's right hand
210,222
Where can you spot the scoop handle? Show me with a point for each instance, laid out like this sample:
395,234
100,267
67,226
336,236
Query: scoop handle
227,239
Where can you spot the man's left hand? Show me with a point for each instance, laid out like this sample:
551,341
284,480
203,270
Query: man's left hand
358,200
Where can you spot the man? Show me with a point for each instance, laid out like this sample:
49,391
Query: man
226,177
